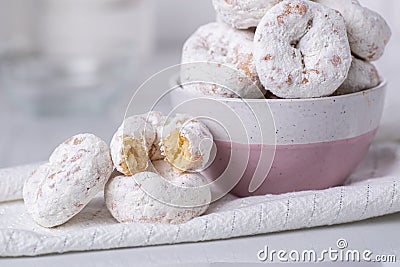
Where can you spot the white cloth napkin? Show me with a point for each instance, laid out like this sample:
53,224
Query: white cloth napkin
12,181
373,190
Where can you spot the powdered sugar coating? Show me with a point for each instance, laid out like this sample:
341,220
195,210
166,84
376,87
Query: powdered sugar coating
362,75
232,50
242,14
302,50
157,120
128,201
77,170
198,138
168,172
368,31
131,144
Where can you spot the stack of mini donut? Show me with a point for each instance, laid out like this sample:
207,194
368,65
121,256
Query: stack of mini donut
156,180
292,48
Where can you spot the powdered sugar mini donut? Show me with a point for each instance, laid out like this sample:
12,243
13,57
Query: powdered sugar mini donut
157,120
302,50
232,51
368,31
242,14
172,201
362,75
77,170
186,143
131,144
189,179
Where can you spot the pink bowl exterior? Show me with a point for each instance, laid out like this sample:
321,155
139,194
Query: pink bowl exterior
319,142
295,167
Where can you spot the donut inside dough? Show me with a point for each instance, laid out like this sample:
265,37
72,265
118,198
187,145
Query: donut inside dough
134,155
177,150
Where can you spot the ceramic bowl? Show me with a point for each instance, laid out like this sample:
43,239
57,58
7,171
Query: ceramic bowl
318,142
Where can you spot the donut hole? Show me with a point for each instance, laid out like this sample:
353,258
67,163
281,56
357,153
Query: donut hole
134,156
295,43
177,150
155,152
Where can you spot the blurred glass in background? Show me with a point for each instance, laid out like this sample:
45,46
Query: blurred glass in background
67,56
67,67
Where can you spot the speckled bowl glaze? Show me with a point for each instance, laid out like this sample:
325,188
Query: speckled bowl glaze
318,142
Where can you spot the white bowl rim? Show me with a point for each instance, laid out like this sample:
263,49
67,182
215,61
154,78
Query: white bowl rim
382,85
